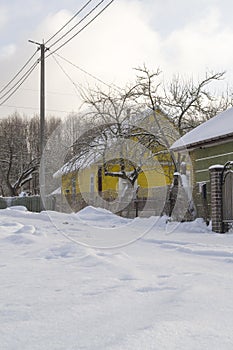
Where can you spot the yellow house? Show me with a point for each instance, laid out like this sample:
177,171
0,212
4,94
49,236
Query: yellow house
92,181
94,175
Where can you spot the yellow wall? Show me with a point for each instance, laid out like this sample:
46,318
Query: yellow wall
67,183
149,178
160,175
82,180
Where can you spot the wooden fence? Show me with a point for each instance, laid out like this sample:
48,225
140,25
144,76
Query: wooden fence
32,203
143,207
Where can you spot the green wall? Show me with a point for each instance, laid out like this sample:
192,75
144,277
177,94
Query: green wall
202,159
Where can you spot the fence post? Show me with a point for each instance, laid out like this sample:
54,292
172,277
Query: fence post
216,198
136,207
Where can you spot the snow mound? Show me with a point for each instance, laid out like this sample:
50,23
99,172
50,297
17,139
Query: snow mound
101,217
30,229
196,226
10,227
90,210
18,208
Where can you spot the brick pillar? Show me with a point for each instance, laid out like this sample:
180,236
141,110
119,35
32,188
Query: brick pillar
216,198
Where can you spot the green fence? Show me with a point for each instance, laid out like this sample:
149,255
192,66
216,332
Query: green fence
3,203
32,203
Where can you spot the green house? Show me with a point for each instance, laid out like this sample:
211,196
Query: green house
208,144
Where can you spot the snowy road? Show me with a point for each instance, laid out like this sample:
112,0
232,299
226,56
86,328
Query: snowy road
161,291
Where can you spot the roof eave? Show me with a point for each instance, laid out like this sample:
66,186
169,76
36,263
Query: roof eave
206,142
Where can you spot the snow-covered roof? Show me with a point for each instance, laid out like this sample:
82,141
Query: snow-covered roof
57,191
77,163
217,127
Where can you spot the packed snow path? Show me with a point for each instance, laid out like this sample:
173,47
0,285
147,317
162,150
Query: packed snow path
166,286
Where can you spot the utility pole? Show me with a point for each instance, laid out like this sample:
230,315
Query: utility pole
42,116
42,99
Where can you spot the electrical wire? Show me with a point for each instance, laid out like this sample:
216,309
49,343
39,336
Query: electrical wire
17,85
50,92
88,14
21,82
75,15
34,109
89,74
17,74
88,23
18,82
29,60
66,74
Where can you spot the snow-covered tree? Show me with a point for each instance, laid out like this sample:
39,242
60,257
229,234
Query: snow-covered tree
151,113
19,152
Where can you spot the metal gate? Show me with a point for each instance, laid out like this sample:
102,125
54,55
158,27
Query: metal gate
227,196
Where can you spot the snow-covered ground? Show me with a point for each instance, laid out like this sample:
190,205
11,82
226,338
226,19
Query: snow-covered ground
95,281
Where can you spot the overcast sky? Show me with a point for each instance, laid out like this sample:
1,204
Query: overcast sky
186,37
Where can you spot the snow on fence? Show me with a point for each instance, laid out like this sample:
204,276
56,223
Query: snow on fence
155,204
32,203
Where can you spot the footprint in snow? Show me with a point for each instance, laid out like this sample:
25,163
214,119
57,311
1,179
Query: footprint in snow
30,229
10,227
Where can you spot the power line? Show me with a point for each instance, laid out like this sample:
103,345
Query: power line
66,74
88,14
35,109
18,82
17,74
75,15
17,85
91,75
51,92
21,82
97,15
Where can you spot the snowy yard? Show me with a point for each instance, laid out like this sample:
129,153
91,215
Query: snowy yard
95,281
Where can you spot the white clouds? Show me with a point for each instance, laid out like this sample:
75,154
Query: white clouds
51,24
119,40
3,16
123,38
6,51
210,23
116,42
200,45
128,34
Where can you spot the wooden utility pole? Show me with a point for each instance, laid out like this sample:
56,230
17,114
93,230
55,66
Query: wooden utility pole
42,116
42,99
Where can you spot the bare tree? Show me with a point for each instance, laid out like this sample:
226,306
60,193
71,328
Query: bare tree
116,135
16,167
189,103
19,152
150,113
185,103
